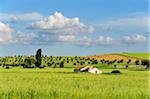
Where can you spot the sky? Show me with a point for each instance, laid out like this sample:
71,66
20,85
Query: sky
73,27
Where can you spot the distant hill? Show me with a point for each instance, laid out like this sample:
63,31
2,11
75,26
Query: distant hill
124,56
137,55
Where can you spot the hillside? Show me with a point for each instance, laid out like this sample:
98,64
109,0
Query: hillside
120,56
137,55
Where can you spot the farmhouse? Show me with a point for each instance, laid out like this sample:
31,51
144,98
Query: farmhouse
89,69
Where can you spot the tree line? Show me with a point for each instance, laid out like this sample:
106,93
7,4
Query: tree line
41,61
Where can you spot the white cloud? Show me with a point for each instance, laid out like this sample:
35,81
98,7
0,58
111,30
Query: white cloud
5,32
24,37
105,40
17,17
58,28
137,38
58,23
85,41
68,38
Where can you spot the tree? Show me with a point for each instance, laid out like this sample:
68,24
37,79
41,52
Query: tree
38,58
74,63
61,65
137,62
128,61
146,63
49,64
29,62
115,66
126,66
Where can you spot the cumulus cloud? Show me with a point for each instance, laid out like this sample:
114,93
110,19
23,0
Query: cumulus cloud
66,38
102,40
137,38
58,28
58,23
5,32
84,41
35,38
25,37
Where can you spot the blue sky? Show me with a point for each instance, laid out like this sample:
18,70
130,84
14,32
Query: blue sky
73,27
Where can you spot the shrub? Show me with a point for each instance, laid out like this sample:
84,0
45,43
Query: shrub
137,62
29,63
115,66
126,66
146,63
7,67
49,64
128,61
81,63
74,63
115,72
121,61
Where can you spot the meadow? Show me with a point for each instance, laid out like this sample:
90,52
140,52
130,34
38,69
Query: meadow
56,82
62,83
138,55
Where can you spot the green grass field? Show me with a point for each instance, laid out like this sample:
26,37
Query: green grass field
57,83
62,83
138,55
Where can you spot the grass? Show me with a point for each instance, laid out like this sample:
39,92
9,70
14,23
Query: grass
56,83
138,55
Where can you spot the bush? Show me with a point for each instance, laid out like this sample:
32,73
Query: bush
137,62
81,63
115,72
146,63
128,61
126,66
115,66
29,63
74,63
7,67
49,64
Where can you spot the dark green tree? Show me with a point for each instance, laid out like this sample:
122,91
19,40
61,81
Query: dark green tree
61,65
137,62
38,58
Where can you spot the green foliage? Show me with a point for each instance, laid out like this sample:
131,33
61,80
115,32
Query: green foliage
61,64
71,61
137,62
29,62
38,57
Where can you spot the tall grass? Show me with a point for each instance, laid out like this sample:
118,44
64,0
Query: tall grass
58,83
